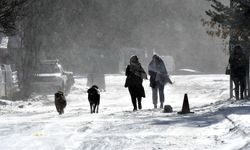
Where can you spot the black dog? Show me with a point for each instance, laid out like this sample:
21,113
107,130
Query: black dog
60,102
94,98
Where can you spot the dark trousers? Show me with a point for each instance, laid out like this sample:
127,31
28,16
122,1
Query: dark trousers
135,98
158,88
240,86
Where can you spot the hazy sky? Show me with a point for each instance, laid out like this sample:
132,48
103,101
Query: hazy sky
76,31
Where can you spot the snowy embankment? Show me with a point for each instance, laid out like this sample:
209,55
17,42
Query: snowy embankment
217,123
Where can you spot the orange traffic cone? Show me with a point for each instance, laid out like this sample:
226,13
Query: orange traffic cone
185,106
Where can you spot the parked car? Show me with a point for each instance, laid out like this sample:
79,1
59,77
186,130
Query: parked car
50,77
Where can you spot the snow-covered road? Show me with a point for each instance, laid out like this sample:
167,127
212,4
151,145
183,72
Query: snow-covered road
217,123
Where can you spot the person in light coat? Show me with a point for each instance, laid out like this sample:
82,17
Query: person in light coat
158,79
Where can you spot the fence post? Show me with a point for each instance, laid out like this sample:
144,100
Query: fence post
5,82
231,87
248,77
2,82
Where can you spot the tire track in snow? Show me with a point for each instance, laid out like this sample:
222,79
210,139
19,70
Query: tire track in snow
236,127
241,131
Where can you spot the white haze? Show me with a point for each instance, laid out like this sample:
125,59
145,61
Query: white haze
78,32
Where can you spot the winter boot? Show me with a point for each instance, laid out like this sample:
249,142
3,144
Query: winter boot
161,106
155,106
237,95
134,104
139,105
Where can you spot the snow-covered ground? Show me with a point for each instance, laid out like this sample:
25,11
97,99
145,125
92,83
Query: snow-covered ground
217,123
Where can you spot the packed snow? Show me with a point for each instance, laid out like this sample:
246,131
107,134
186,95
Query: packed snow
218,122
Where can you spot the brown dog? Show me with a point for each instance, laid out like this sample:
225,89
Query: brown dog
60,102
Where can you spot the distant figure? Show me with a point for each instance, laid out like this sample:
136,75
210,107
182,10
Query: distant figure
135,75
238,65
96,75
60,102
94,98
158,78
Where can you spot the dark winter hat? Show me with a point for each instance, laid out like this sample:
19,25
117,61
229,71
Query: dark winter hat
134,59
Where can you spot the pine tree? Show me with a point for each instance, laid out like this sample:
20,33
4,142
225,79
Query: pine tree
230,21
